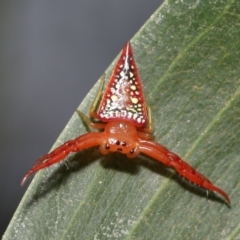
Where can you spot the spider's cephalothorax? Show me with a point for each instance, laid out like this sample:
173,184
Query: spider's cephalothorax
124,120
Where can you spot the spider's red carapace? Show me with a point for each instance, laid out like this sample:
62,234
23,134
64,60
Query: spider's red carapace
123,119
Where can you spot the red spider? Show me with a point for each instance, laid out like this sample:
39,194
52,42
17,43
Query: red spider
124,120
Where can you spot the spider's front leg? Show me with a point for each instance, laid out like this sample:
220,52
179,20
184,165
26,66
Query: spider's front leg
85,141
170,159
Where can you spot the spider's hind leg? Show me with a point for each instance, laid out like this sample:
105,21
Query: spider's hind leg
95,104
91,121
146,132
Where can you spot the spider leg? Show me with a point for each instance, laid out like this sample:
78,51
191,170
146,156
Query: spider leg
84,141
89,122
92,121
146,132
170,159
149,127
93,108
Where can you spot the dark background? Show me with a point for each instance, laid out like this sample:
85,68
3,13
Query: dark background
51,54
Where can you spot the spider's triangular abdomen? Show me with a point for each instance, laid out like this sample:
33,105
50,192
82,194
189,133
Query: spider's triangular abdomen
123,98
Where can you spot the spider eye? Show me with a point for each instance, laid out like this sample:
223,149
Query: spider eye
132,151
107,146
124,144
118,142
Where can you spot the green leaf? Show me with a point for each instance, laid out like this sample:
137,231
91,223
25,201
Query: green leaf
188,57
